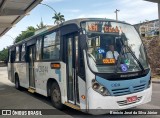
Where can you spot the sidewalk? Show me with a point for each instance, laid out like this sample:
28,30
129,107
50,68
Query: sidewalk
4,76
155,80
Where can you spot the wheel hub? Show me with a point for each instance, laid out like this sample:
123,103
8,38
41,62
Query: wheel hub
56,95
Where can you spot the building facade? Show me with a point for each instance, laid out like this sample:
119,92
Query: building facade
148,28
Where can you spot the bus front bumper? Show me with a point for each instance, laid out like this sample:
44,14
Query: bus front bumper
98,104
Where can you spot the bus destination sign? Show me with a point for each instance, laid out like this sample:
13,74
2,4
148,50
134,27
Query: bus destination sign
99,27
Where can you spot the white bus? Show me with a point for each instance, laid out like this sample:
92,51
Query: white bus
86,64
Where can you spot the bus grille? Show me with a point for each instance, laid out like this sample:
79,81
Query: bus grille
139,88
125,91
124,102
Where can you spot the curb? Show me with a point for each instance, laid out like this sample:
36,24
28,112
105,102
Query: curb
157,82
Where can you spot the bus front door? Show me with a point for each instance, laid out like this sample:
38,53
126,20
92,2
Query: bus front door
71,60
10,65
31,50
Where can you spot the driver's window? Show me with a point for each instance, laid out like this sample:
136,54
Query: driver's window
94,45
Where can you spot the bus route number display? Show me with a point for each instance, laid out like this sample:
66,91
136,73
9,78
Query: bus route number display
93,27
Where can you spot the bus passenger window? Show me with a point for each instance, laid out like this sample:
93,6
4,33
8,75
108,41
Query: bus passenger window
23,53
38,49
9,55
17,53
51,46
76,47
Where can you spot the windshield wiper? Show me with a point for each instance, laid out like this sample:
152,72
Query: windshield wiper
134,56
132,53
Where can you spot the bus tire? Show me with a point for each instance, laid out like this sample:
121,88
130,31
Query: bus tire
17,84
56,96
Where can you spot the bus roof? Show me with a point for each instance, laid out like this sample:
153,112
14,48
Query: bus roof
77,21
73,21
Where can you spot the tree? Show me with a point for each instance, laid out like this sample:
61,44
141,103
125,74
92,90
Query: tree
29,32
4,55
59,18
31,28
41,25
25,34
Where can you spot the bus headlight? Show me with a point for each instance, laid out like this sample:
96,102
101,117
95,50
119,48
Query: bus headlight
95,86
99,88
102,90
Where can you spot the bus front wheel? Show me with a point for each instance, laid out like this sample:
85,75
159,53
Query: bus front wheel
56,96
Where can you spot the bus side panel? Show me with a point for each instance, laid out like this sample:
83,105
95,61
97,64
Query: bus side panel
82,92
10,77
43,72
10,67
22,70
24,74
11,72
63,83
89,77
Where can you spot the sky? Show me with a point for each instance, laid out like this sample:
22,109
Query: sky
131,11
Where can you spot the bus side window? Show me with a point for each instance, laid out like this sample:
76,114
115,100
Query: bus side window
13,56
77,53
23,52
9,56
51,46
20,52
38,48
17,54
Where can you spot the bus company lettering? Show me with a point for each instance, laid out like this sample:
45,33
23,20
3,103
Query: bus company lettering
42,69
20,66
26,112
115,85
129,75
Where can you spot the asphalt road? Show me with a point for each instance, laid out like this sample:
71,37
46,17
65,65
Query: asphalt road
10,98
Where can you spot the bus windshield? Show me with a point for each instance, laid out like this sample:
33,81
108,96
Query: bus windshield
114,48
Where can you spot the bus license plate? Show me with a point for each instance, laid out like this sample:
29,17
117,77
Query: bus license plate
132,99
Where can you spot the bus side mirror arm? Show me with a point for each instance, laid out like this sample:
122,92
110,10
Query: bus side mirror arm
83,42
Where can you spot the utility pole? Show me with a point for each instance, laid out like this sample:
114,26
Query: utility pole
55,12
159,17
49,7
117,14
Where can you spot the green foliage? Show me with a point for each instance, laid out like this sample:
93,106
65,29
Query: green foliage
59,18
29,32
41,25
25,34
4,55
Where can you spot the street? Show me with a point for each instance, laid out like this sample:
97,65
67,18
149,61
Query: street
10,98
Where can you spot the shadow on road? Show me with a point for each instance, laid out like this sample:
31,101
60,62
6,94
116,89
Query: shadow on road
66,110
